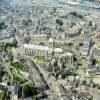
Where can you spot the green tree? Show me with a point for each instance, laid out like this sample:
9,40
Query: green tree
15,43
10,56
29,90
60,22
25,22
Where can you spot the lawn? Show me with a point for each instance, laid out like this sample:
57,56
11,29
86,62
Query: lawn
41,59
1,95
67,65
19,80
18,65
6,47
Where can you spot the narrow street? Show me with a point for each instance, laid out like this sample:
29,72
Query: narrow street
7,68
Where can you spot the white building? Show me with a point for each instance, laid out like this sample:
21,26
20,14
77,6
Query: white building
39,50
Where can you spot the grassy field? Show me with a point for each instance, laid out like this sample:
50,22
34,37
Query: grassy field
41,59
18,65
1,95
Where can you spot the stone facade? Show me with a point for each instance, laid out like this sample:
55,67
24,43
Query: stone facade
38,50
